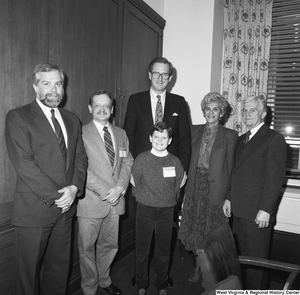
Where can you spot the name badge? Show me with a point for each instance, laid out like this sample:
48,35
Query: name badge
169,171
122,153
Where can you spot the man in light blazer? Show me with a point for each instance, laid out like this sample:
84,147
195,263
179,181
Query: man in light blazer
141,113
49,177
108,175
256,184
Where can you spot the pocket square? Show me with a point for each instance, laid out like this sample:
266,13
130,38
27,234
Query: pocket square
175,114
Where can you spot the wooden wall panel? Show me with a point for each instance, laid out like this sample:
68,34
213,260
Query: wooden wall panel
85,38
22,44
84,41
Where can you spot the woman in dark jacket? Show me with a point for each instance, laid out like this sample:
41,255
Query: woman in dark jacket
209,176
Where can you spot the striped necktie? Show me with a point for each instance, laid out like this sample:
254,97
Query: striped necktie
109,146
59,135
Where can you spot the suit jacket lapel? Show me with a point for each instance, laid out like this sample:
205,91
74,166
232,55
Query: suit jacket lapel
197,144
168,109
71,143
115,135
251,146
46,129
97,141
146,108
218,139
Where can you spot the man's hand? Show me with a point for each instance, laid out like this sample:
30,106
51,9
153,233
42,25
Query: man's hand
68,196
227,208
262,219
183,180
113,195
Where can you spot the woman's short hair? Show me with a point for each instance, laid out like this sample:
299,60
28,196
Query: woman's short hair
217,98
160,127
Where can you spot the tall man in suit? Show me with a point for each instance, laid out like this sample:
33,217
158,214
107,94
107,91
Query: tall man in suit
146,108
149,107
45,147
108,175
256,183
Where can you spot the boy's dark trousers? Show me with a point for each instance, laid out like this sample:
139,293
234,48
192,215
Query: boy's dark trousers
160,221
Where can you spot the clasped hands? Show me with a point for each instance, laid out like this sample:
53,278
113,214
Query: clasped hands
68,196
262,218
113,195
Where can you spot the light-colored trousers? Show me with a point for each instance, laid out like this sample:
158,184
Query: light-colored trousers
98,246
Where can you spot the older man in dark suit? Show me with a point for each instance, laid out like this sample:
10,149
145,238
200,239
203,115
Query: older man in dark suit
256,184
45,147
146,108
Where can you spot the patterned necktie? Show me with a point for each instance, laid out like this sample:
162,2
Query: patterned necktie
109,146
59,135
158,110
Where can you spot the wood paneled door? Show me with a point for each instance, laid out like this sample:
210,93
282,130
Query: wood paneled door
99,44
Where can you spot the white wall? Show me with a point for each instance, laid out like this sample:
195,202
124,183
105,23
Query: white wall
157,5
188,39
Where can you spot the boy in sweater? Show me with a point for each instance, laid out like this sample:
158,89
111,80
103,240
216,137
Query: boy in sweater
156,177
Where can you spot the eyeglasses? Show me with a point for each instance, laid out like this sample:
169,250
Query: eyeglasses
156,75
98,107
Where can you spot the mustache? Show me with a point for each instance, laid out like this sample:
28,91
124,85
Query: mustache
53,96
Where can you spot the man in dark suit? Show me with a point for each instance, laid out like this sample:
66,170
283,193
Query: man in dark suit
256,184
149,107
108,175
45,147
146,108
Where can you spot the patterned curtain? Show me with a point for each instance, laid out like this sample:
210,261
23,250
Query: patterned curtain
247,37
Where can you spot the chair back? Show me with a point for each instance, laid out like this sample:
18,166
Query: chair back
231,283
218,256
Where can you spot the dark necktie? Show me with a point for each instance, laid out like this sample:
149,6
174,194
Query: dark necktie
59,135
109,146
245,141
158,110
248,133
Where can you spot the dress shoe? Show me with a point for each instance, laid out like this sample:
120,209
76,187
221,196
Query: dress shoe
170,282
112,290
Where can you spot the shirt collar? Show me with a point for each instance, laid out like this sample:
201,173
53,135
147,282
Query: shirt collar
159,154
153,94
100,126
45,108
255,129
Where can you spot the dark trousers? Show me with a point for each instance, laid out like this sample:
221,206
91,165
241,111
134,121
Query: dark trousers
159,221
44,249
253,241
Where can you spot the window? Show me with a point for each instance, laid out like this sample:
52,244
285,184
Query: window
284,78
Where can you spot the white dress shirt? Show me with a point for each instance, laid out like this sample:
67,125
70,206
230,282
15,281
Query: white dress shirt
47,112
255,129
100,127
153,96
